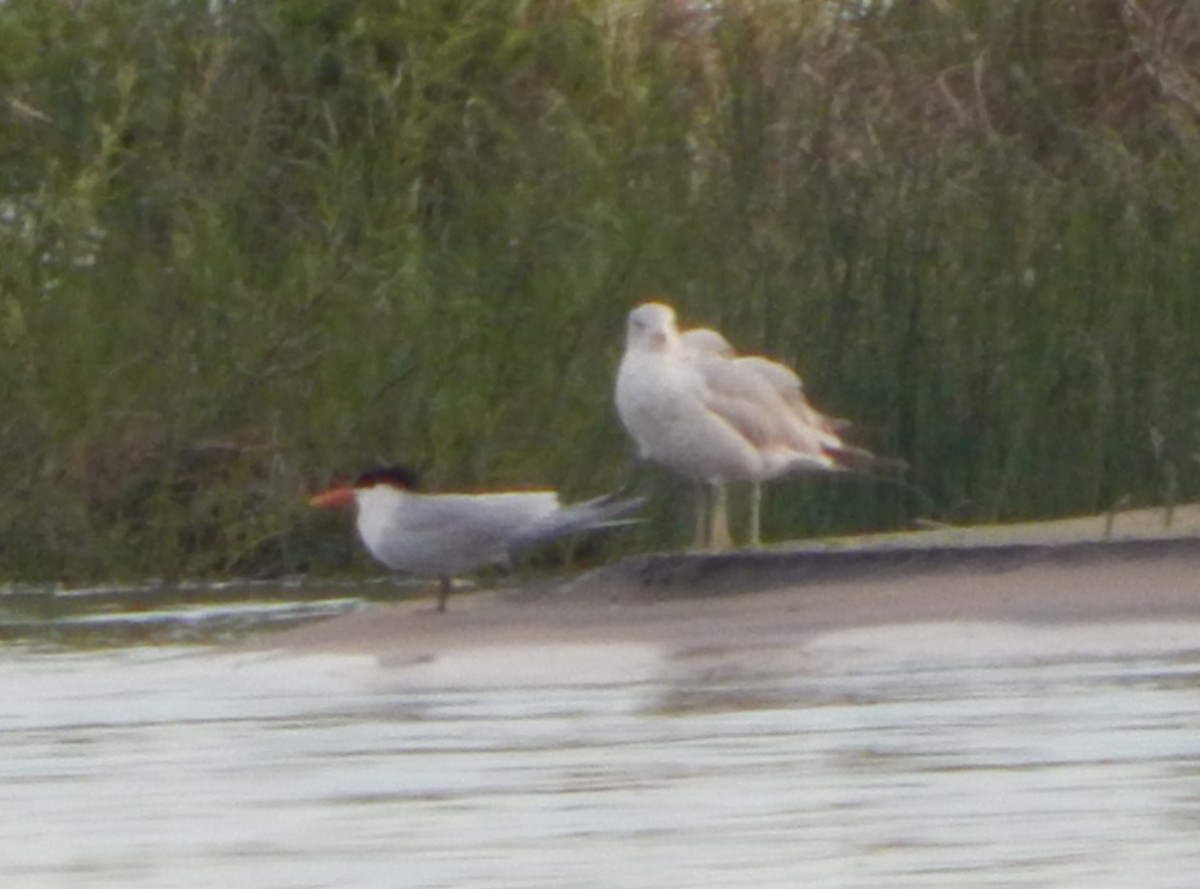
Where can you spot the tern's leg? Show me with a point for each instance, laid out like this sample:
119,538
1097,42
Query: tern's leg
700,536
756,515
718,527
443,592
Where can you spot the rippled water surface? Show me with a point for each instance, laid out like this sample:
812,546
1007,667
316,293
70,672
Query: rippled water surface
924,765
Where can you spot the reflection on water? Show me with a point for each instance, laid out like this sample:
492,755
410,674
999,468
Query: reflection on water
180,767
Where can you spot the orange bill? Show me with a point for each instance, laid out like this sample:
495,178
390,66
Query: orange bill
332,497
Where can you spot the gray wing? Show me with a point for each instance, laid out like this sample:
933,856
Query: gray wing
449,533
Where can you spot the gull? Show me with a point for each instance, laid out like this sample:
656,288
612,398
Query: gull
691,403
442,535
766,399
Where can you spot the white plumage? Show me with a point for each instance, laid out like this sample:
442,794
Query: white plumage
691,403
443,535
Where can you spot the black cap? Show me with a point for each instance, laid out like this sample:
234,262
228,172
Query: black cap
399,476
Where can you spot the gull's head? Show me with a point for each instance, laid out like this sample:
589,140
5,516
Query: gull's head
651,327
384,481
706,341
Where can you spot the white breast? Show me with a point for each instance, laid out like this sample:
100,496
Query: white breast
664,405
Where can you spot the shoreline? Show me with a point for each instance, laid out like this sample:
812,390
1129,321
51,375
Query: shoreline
761,610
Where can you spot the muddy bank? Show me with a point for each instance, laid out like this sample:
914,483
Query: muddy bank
663,576
781,597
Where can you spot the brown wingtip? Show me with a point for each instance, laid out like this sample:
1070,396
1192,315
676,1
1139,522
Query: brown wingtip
862,460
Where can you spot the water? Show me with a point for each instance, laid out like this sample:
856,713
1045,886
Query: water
177,613
896,758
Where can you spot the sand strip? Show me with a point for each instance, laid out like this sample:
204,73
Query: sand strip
755,608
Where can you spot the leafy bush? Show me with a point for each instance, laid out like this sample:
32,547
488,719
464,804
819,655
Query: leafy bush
245,247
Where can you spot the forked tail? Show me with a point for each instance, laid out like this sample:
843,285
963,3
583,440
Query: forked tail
608,511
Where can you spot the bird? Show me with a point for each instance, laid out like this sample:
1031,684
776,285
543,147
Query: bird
691,403
443,535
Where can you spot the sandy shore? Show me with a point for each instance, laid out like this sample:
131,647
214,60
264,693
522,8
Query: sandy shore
710,609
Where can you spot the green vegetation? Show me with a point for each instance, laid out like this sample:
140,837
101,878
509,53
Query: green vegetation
246,246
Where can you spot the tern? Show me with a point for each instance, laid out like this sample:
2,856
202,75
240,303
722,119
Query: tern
691,403
442,535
